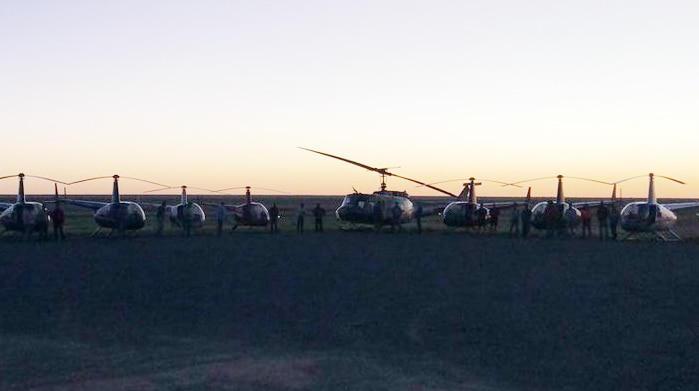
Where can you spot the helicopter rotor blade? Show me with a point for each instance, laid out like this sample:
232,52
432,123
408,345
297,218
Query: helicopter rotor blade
179,187
89,179
468,179
348,161
528,180
381,171
33,176
120,177
591,180
672,179
251,187
628,179
46,179
424,184
563,177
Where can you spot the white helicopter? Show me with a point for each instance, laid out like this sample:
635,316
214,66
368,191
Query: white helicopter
467,211
23,216
650,216
538,215
186,214
117,214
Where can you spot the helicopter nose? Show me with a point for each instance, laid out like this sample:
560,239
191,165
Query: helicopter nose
342,212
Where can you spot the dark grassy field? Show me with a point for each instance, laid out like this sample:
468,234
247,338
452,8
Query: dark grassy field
348,310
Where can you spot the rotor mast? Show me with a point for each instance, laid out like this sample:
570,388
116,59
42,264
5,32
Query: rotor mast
184,194
651,190
115,190
472,199
248,197
560,197
20,193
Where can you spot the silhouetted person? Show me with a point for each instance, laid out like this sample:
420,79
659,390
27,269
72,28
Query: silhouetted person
550,218
481,217
300,215
526,217
396,213
187,219
318,214
160,218
377,215
494,218
614,217
514,220
418,217
58,218
586,218
570,218
221,216
273,218
603,219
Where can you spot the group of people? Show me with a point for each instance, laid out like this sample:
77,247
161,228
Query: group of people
562,219
318,214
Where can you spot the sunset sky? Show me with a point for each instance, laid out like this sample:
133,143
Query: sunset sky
217,94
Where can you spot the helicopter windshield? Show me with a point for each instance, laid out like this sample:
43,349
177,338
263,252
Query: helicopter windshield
358,200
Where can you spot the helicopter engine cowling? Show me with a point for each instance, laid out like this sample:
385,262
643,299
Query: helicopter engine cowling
123,215
462,214
252,214
191,211
645,217
23,216
539,218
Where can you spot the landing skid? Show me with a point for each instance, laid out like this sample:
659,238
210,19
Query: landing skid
665,235
352,227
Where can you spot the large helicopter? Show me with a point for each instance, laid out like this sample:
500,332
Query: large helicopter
117,214
467,211
23,216
539,217
186,214
375,208
251,214
649,216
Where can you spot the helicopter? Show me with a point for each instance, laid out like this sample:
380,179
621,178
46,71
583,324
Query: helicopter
538,215
117,214
251,214
375,208
466,210
23,216
186,214
650,216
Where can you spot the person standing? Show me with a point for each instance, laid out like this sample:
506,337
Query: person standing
160,218
396,213
571,217
58,218
273,218
603,218
481,218
526,217
586,217
318,214
221,216
550,218
494,218
418,217
300,214
614,217
514,219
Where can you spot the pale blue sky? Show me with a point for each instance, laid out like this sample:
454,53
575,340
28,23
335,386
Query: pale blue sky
220,93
